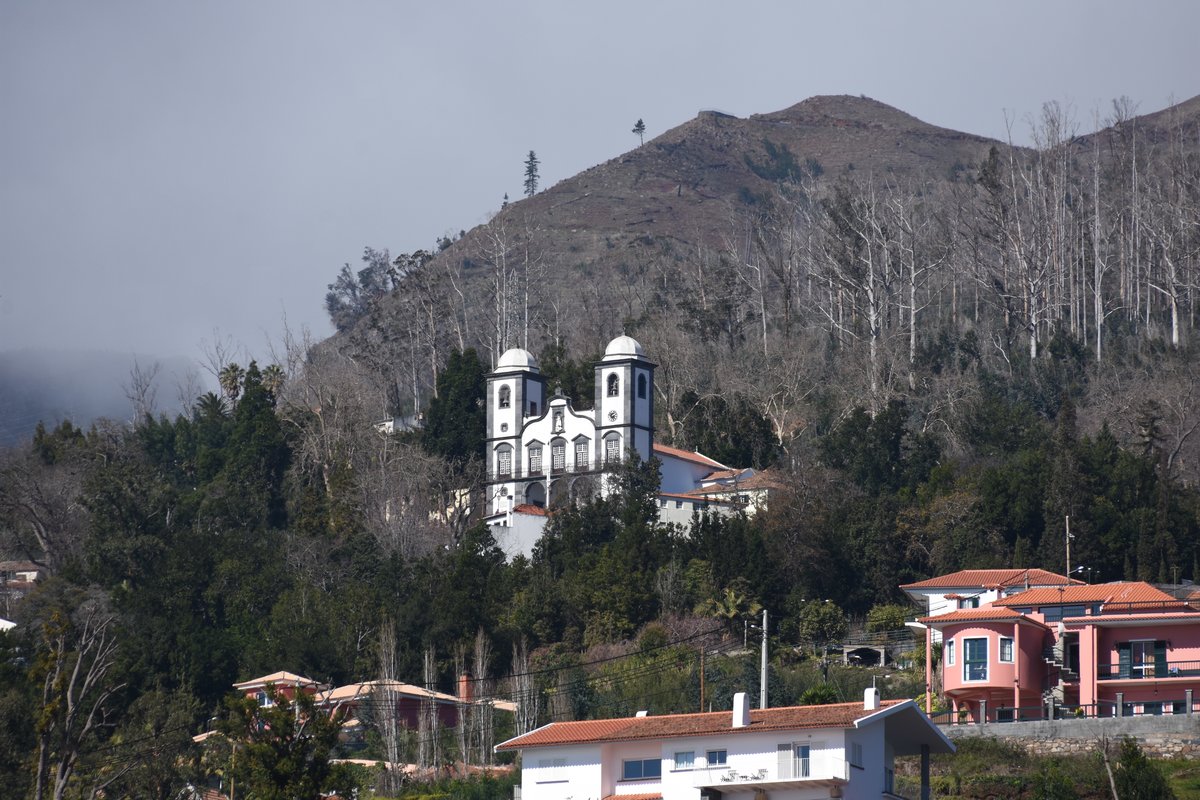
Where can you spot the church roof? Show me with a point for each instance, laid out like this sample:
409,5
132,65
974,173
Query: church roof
516,358
623,347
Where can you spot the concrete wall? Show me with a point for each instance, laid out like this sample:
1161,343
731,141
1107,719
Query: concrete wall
1160,737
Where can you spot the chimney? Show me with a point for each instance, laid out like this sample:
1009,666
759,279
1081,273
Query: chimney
871,699
466,692
741,710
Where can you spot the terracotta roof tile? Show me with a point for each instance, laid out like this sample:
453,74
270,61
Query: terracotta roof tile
975,578
1132,592
837,715
281,678
688,455
531,509
984,614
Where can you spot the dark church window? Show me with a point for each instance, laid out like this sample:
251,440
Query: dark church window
614,386
641,387
505,397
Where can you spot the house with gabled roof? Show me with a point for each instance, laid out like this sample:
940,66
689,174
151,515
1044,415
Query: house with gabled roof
1114,649
286,684
845,750
973,588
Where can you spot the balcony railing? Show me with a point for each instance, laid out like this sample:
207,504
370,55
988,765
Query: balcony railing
1159,670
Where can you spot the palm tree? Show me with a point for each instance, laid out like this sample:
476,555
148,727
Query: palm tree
210,406
230,378
273,378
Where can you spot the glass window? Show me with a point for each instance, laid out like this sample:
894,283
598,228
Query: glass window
558,455
614,386
581,455
685,760
1006,649
504,462
612,450
640,768
800,764
535,460
716,758
950,653
505,397
975,659
968,602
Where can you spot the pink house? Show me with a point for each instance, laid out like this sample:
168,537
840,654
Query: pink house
1115,649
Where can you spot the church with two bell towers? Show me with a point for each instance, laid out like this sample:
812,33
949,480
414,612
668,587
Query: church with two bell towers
544,454
541,451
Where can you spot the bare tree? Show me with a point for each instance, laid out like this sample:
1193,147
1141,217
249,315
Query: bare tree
78,651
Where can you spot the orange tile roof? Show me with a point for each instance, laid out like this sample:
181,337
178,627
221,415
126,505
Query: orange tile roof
281,678
1137,592
687,455
984,614
530,508
837,715
987,578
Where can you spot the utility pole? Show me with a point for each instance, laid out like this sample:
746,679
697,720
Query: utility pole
701,679
763,679
1068,523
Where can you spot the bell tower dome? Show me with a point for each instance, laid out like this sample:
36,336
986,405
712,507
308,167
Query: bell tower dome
624,401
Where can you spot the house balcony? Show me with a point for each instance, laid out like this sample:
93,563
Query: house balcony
733,781
1184,671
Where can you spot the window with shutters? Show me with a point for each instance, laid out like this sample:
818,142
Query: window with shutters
582,454
558,456
612,450
1142,658
504,462
535,460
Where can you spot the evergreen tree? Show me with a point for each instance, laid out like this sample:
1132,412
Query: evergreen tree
456,419
640,129
531,174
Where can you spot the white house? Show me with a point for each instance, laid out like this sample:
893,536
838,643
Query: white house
543,453
844,750
972,588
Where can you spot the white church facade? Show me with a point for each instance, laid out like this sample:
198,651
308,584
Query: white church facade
543,453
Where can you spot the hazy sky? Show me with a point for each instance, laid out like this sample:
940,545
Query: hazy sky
168,169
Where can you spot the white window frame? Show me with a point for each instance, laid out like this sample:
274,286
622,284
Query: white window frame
949,652
685,760
1006,642
504,462
716,758
612,450
535,460
583,455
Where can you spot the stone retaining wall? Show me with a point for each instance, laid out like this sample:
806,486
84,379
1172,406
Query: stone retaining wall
1159,737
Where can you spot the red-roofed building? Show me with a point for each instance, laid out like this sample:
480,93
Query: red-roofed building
842,750
972,588
1112,649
